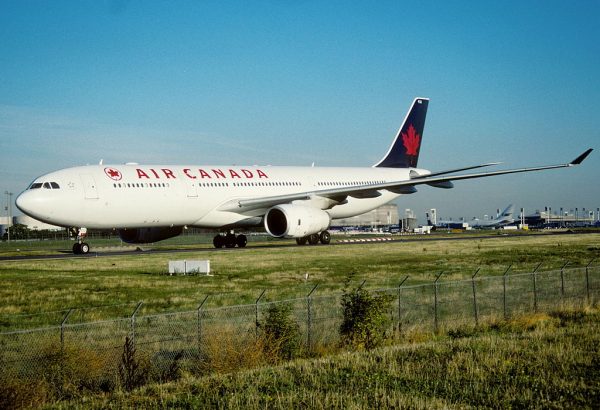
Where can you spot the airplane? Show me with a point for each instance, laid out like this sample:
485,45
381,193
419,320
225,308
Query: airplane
149,203
504,218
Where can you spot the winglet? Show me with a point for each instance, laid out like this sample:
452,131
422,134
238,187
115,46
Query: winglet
580,158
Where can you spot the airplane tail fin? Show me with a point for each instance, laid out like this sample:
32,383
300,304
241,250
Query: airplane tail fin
404,152
508,212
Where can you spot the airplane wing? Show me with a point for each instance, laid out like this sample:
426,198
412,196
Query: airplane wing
364,191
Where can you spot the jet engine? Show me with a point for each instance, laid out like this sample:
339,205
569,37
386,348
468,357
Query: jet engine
148,235
295,221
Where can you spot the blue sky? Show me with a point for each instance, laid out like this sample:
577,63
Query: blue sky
291,83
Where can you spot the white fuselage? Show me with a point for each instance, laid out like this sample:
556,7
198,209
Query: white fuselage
139,196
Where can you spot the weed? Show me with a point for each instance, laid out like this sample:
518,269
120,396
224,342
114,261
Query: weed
130,371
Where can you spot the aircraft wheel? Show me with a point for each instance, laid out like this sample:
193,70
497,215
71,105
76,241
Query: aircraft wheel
241,241
325,237
313,239
301,241
218,241
84,248
77,248
230,240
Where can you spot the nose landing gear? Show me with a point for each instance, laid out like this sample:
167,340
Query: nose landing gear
81,247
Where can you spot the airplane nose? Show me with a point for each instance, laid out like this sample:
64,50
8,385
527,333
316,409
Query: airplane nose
23,202
30,203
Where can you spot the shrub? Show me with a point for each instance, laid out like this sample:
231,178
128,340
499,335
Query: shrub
365,320
281,332
58,374
227,349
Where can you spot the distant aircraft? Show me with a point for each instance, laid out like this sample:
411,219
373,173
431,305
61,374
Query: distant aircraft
149,203
505,218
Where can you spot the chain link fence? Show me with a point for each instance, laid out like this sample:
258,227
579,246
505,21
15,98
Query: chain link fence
201,339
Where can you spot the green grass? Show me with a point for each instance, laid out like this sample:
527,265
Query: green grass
535,361
32,287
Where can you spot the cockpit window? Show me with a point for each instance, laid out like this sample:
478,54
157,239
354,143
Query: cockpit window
46,185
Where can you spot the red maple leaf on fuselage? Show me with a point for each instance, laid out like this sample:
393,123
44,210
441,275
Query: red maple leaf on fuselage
411,141
113,174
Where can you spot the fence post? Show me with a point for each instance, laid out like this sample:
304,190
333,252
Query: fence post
435,302
133,322
475,297
256,311
587,280
309,318
562,281
504,276
399,302
534,276
62,330
200,320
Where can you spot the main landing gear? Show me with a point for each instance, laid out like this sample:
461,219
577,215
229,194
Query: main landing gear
230,240
80,247
324,237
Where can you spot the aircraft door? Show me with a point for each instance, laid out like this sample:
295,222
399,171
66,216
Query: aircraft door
89,186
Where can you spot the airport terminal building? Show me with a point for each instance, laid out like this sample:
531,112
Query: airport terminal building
384,215
28,221
563,219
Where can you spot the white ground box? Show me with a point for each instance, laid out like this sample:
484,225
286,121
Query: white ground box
186,267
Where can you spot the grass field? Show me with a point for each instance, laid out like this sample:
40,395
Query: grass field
537,360
31,287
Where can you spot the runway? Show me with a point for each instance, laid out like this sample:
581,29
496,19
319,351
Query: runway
337,242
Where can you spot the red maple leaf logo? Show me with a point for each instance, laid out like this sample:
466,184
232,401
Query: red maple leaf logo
113,174
411,141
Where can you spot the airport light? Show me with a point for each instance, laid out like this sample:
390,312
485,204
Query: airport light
562,218
9,211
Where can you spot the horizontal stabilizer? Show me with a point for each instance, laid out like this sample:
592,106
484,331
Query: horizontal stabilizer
451,171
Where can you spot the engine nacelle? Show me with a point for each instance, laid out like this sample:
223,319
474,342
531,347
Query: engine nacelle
295,221
149,235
